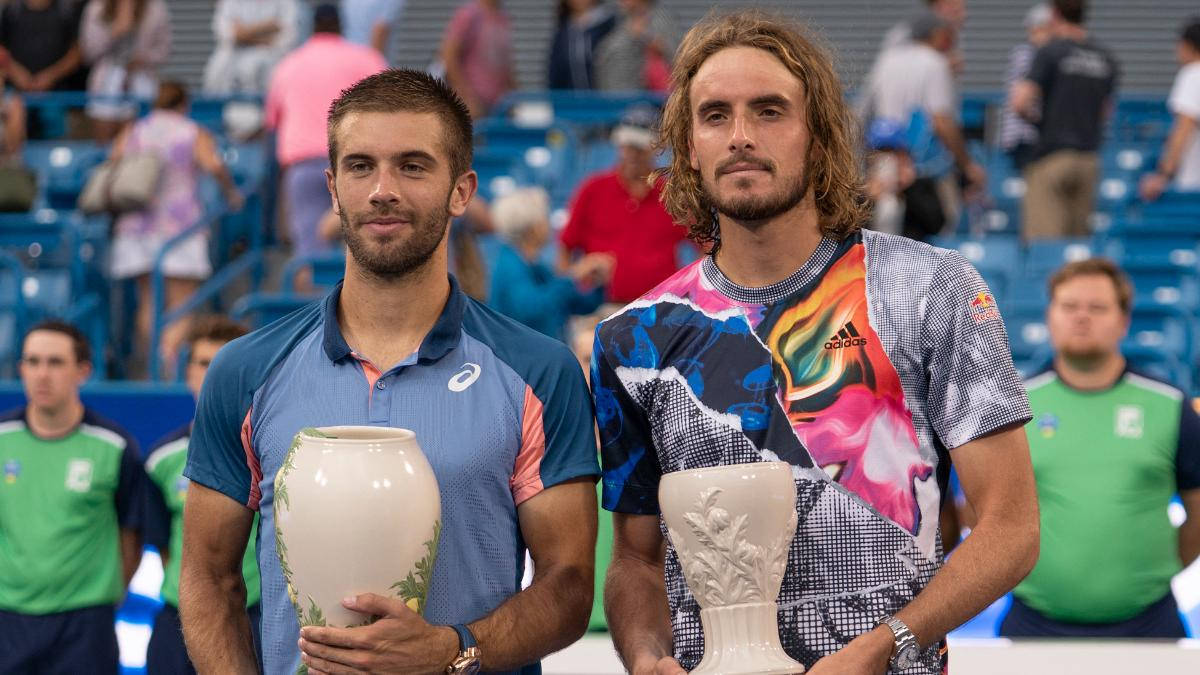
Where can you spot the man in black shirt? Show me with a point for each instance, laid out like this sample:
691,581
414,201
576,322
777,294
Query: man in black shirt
42,39
1075,79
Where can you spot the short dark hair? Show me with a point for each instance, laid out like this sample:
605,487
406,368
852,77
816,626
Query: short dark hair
171,95
1191,32
406,90
83,350
1096,266
1072,11
214,327
327,19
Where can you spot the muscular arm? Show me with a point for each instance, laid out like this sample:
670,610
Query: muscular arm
559,527
131,554
635,596
1181,134
950,134
1189,531
212,593
996,475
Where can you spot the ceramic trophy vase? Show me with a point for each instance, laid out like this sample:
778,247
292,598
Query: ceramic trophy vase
731,527
357,510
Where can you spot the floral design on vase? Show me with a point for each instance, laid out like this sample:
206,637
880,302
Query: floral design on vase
730,570
413,589
315,617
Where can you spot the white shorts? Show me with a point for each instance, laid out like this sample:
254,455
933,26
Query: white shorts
134,255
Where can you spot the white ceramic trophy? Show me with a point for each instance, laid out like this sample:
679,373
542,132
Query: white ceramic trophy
357,510
731,527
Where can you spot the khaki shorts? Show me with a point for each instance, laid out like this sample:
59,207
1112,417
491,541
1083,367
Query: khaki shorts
1060,191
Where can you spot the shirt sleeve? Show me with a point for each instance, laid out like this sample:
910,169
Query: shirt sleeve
1185,93
219,455
628,456
939,90
1042,69
131,488
572,236
558,440
158,517
974,389
1187,454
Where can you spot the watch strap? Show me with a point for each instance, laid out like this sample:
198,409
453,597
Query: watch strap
465,639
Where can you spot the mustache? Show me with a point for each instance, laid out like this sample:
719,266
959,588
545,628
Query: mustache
357,219
746,158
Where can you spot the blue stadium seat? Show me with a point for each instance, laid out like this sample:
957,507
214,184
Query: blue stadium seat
1043,256
63,168
1167,328
327,269
998,259
1027,333
1160,364
589,108
260,309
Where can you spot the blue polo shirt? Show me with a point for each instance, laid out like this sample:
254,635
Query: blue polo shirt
501,411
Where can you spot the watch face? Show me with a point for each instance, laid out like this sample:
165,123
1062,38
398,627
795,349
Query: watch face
907,656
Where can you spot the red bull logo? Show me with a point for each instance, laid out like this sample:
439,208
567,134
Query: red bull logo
983,307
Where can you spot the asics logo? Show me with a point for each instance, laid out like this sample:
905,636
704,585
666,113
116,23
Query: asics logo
464,378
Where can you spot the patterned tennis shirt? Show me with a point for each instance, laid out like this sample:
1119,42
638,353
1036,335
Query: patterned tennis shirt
860,370
501,412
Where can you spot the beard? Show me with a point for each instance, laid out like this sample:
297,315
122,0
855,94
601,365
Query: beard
394,258
752,210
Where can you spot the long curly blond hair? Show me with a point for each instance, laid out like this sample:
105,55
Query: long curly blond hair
834,167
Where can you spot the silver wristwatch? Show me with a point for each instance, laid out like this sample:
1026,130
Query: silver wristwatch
905,650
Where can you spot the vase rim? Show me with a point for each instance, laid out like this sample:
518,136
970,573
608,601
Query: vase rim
729,468
354,434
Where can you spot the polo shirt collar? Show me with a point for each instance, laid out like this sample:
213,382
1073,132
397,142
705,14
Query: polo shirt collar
443,337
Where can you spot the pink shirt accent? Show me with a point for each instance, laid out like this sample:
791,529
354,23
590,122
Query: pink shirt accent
305,82
485,50
252,462
527,470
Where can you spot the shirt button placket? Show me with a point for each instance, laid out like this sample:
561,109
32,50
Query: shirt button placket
381,401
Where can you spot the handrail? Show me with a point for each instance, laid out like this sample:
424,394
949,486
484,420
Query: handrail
250,260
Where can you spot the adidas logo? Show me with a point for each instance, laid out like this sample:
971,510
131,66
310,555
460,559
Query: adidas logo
846,337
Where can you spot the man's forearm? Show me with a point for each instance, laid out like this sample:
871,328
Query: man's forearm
951,136
1189,541
985,566
131,555
540,620
216,627
1177,140
635,603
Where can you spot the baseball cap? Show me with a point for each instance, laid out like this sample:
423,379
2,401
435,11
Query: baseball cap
636,127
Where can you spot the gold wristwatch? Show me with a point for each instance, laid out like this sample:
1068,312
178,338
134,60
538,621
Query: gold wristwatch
467,661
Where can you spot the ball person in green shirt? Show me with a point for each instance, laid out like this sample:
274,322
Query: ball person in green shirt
71,495
1110,449
166,653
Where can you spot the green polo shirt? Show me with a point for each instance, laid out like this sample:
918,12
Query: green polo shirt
63,503
1107,464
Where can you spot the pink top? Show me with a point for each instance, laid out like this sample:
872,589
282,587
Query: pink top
485,50
303,85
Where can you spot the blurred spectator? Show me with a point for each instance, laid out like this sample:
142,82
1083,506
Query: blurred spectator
125,41
637,54
302,87
912,84
71,513
477,55
953,11
1075,79
527,289
185,149
42,39
904,202
252,36
1018,136
620,212
369,22
165,500
582,24
1110,449
1181,153
12,125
